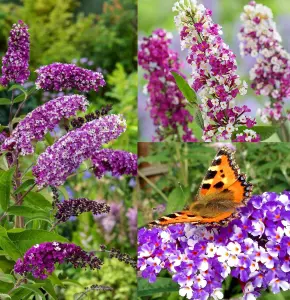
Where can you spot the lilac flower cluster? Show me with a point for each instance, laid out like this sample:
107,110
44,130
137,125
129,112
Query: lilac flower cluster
271,73
114,220
255,248
166,103
58,76
132,221
75,207
41,258
116,161
109,221
41,120
214,74
15,63
66,154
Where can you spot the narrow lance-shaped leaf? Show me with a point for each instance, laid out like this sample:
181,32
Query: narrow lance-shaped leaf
5,101
184,87
161,285
5,187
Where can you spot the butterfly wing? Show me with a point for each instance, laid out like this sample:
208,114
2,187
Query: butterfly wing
222,173
222,190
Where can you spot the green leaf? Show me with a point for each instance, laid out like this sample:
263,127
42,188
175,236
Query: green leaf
20,294
72,282
24,96
34,288
4,296
49,139
28,212
28,238
26,184
177,200
19,98
5,186
159,286
3,231
5,101
6,266
184,87
264,131
18,87
199,119
55,280
38,200
3,163
9,247
7,278
17,120
49,288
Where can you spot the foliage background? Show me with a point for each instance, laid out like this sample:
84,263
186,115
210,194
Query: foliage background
267,166
99,35
227,14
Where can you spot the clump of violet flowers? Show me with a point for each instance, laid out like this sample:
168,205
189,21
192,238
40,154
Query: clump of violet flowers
253,248
15,63
40,259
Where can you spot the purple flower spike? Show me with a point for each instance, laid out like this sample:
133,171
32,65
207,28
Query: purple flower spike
166,103
15,63
214,75
116,161
271,73
40,259
41,120
58,76
65,155
75,207
253,248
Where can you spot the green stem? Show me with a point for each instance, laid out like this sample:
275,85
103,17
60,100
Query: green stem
152,185
182,164
10,113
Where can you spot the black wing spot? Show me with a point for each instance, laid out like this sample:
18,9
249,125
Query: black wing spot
217,162
172,216
221,170
223,176
206,186
210,174
191,216
219,185
162,219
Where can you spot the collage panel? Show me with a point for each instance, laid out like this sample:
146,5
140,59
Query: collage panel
213,220
213,71
144,150
68,149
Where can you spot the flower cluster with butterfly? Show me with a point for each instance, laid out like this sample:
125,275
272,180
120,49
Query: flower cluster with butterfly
253,248
214,76
55,158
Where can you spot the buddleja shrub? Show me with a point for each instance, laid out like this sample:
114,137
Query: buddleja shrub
208,97
30,245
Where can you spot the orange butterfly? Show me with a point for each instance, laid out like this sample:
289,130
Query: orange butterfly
222,190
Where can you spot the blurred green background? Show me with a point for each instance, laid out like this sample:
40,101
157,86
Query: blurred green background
98,35
227,14
170,175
